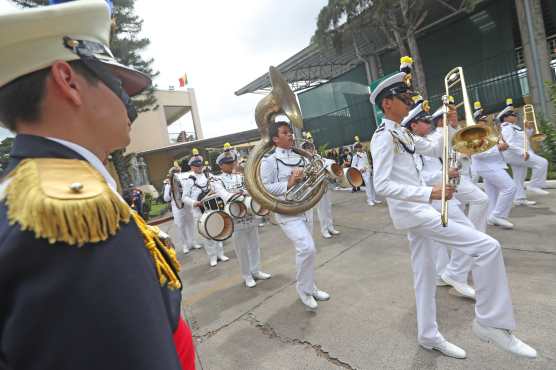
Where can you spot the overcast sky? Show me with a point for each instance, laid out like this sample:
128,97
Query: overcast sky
222,45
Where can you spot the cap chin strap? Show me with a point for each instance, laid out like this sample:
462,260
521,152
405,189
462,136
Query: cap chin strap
102,72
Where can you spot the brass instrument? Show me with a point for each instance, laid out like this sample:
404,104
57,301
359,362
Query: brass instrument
529,117
471,139
306,194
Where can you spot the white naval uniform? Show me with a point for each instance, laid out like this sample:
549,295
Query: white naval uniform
190,196
324,208
275,171
513,135
397,177
458,265
468,193
361,162
246,233
183,218
499,186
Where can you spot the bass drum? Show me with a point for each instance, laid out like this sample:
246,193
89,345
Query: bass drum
352,178
254,207
215,225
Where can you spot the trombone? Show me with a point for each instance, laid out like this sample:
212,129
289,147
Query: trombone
471,139
529,117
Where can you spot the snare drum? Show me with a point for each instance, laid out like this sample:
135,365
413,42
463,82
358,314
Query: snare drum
212,203
215,225
236,209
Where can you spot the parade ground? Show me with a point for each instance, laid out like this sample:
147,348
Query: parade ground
369,323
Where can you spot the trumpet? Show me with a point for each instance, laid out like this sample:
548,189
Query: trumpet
471,139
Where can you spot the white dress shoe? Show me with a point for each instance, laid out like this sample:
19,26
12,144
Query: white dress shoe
320,295
250,283
197,246
326,235
308,301
378,201
462,288
440,282
223,258
503,339
448,349
259,275
333,231
497,221
538,191
524,202
213,261
185,250
371,204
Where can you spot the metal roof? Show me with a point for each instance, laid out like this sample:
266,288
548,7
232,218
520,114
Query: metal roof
182,149
313,66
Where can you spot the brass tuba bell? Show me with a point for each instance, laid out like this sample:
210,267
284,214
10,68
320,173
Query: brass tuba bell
304,196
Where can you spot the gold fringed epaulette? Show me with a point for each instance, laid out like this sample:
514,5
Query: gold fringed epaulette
63,200
166,268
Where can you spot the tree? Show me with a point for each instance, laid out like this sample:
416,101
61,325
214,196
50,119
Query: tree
126,46
5,149
398,20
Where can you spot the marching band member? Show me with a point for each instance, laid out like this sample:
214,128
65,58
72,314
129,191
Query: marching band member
180,214
452,270
280,171
499,187
194,189
520,160
246,233
324,209
398,178
85,283
468,194
361,162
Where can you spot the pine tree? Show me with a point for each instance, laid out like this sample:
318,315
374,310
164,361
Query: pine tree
124,43
126,47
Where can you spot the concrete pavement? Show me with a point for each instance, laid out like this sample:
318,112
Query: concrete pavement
370,321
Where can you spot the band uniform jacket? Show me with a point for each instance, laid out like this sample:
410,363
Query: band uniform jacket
90,307
275,171
193,188
397,173
228,185
513,136
361,162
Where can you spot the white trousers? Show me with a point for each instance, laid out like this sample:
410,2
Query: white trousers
183,219
299,232
369,187
493,305
457,265
539,167
470,194
324,211
500,190
246,245
212,247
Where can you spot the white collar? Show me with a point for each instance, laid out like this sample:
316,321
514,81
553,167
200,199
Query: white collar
91,158
390,124
282,151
